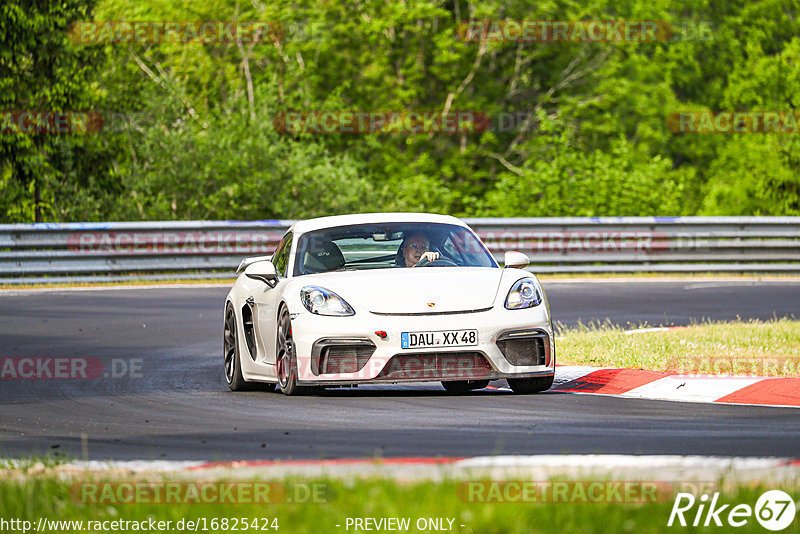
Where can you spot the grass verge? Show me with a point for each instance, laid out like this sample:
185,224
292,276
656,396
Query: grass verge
54,499
757,348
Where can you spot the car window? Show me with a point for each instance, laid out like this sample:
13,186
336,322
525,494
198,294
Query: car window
281,257
378,246
355,249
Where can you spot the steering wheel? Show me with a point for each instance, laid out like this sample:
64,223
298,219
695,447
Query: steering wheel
439,262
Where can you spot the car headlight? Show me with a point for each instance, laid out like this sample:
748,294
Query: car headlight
523,294
323,301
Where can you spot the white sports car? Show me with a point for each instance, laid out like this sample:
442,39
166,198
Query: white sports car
386,298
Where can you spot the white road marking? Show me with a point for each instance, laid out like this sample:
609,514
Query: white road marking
645,330
691,388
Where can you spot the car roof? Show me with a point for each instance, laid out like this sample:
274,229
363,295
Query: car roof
301,227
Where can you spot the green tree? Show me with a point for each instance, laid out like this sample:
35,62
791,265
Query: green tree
590,135
41,70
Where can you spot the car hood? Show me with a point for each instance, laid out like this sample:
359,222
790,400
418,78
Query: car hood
416,290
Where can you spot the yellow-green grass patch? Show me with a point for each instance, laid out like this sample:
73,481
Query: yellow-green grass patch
751,348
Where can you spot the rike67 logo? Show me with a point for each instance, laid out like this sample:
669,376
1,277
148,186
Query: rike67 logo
774,510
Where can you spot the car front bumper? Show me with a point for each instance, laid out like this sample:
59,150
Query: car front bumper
371,358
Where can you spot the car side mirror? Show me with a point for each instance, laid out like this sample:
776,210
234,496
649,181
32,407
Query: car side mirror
516,260
263,271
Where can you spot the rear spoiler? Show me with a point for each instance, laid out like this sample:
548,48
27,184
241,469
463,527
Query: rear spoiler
247,261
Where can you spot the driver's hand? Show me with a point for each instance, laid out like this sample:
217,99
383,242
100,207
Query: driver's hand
430,256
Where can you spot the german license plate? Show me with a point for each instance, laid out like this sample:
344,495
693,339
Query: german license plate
441,338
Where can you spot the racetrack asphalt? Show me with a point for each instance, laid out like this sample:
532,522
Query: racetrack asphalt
176,406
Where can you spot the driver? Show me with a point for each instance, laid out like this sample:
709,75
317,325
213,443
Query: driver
416,247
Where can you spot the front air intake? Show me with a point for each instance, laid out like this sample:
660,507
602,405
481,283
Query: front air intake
525,348
342,355
249,331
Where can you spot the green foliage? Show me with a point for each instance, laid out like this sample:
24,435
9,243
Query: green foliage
40,70
567,181
202,145
755,175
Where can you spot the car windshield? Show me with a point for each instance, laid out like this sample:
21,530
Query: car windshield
380,246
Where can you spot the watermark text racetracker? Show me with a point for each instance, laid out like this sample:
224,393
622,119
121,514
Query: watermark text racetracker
576,491
734,122
688,364
175,32
201,492
75,122
49,122
389,122
68,368
591,241
210,242
582,31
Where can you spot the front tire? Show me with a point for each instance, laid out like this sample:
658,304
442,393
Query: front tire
459,387
530,385
286,357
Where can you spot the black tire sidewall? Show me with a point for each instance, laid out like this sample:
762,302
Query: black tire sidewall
457,387
238,382
291,382
526,386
